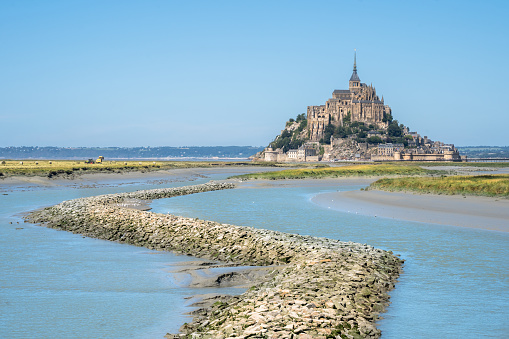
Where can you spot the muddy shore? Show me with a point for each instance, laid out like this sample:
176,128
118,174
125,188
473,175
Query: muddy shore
486,213
313,287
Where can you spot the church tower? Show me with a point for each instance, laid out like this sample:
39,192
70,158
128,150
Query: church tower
355,82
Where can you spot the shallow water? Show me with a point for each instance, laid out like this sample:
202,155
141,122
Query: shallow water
56,284
455,282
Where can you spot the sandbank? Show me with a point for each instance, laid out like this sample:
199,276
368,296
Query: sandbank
90,177
470,211
325,182
201,273
116,178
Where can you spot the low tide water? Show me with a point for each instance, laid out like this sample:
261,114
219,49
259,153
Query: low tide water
56,284
455,281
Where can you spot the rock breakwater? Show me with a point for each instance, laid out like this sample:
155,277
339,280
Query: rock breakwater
319,287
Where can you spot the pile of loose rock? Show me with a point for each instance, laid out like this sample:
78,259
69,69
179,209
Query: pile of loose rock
319,287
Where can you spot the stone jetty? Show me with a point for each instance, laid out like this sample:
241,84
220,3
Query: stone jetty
318,287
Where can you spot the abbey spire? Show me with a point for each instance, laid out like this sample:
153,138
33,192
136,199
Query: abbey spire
355,82
360,103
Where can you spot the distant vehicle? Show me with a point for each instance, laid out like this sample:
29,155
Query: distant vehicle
90,161
100,159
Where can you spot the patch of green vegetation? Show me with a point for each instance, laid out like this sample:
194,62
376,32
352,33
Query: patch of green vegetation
344,171
486,185
358,130
291,139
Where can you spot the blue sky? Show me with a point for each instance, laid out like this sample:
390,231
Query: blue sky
202,73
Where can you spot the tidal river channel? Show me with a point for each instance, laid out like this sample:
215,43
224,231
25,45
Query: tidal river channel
55,284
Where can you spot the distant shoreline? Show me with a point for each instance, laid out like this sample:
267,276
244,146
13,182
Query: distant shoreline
133,159
133,153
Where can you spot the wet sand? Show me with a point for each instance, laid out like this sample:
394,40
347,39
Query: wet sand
470,211
124,178
204,273
331,182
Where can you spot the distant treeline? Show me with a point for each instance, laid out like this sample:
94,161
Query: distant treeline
29,152
485,151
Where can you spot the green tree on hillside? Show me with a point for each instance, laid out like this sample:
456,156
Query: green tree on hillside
347,118
291,139
394,130
301,117
327,133
387,117
374,140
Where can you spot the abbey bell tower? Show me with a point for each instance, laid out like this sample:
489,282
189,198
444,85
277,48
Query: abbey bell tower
359,103
355,82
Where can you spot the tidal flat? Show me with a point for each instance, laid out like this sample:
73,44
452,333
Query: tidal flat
315,286
487,213
459,286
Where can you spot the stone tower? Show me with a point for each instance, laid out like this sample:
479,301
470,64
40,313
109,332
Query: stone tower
355,82
359,102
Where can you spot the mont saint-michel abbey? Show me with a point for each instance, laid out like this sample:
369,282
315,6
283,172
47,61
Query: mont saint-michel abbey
364,130
359,102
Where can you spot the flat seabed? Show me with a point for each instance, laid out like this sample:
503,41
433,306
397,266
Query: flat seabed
314,287
486,213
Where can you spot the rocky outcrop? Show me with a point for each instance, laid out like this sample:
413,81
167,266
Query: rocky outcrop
319,287
349,149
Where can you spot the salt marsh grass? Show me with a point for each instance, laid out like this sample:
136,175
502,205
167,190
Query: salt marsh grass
487,185
344,171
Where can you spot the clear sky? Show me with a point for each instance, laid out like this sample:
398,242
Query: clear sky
203,73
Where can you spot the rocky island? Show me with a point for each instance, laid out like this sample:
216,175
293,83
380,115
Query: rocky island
355,124
315,288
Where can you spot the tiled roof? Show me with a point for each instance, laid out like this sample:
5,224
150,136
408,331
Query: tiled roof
354,76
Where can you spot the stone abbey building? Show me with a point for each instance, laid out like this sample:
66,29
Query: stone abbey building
360,102
379,142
